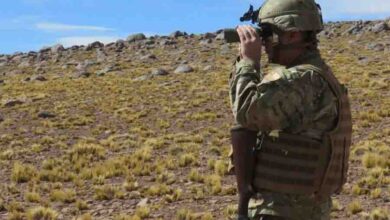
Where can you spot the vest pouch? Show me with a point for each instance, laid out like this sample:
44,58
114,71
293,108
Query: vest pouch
290,164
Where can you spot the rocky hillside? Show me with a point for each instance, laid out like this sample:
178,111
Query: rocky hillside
139,128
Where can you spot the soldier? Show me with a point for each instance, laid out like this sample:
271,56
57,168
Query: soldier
299,112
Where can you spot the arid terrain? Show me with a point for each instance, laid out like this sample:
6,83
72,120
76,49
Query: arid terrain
139,128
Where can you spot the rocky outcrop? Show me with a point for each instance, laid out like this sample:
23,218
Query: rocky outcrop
139,48
177,34
94,45
335,29
159,72
57,48
184,69
136,37
380,27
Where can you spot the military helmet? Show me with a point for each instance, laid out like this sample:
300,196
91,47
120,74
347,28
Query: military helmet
292,15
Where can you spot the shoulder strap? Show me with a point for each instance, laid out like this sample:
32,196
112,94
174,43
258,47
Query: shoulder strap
328,75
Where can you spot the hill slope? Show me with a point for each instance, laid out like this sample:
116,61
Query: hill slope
112,132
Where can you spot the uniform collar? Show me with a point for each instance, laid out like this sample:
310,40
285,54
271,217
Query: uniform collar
308,57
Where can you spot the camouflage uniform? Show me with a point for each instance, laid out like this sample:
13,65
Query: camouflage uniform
292,99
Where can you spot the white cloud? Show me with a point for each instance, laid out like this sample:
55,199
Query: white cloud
85,40
47,26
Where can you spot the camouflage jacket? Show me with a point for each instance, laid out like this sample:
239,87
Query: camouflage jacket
293,99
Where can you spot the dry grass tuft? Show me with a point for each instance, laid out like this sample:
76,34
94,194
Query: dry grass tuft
23,172
40,213
65,196
380,214
354,207
87,150
370,160
32,197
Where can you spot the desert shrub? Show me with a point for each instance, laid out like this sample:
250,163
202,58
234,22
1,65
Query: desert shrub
184,214
214,184
14,206
130,185
105,192
207,216
7,154
156,143
41,213
87,150
197,193
195,176
220,167
186,159
354,207
357,190
86,216
126,217
175,196
370,160
16,216
375,193
230,210
211,163
158,190
32,197
66,196
379,214
2,205
22,172
81,205
143,154
58,174
142,212
336,206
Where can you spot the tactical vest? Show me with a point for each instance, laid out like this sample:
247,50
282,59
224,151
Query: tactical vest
296,164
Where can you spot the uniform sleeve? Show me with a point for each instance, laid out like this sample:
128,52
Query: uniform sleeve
244,74
277,101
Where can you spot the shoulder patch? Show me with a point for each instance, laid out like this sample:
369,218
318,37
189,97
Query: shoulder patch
274,73
271,76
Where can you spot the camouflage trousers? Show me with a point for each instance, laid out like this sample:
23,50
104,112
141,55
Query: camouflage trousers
288,207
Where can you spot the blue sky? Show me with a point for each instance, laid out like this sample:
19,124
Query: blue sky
31,24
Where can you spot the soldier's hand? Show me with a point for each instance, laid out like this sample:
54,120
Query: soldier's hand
251,43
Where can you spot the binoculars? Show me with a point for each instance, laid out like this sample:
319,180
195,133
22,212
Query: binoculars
230,35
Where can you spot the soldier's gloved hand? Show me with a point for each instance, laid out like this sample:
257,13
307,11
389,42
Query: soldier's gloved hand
251,43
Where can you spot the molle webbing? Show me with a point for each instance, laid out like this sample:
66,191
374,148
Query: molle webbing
289,164
339,139
299,165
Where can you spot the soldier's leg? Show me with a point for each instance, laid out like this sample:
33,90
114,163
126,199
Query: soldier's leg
323,210
270,217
